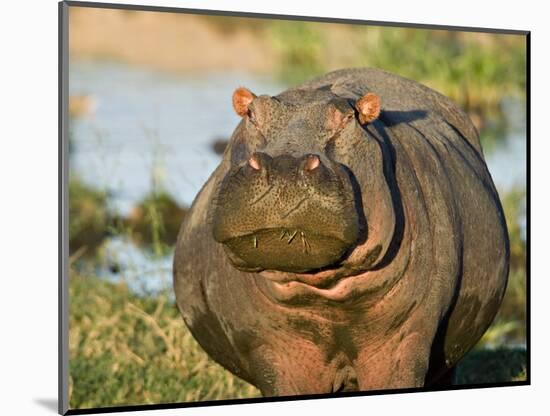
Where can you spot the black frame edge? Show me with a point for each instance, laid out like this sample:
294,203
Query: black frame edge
165,406
528,206
63,178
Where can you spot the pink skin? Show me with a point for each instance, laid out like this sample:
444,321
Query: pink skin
312,163
254,163
337,284
388,354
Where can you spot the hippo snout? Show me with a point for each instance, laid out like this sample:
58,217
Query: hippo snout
292,213
284,164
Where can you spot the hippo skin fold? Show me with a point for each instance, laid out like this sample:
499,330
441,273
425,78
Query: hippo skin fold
351,239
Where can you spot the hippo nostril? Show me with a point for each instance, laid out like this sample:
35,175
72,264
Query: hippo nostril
312,162
254,162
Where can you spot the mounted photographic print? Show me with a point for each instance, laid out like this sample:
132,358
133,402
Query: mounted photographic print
264,208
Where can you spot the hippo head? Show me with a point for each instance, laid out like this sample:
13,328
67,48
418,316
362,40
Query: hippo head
303,183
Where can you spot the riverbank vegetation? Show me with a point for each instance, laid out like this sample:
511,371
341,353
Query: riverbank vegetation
126,349
477,70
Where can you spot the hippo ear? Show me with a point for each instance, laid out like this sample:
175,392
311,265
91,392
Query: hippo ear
242,97
368,107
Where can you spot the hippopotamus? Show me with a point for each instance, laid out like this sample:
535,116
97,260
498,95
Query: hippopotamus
351,239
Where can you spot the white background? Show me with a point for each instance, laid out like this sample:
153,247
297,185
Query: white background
28,213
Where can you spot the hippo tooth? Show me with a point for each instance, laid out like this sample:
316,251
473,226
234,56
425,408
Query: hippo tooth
292,237
304,242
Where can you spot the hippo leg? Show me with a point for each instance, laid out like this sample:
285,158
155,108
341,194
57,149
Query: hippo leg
445,380
300,369
399,362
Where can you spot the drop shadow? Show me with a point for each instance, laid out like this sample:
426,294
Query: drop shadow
392,118
47,403
358,203
378,132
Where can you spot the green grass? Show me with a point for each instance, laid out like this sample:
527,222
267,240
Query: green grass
155,221
127,350
89,218
301,50
477,71
153,224
492,366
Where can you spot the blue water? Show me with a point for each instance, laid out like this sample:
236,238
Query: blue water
153,129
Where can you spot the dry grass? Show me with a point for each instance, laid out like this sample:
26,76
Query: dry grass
128,350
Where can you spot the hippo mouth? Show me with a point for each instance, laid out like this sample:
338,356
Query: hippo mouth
285,213
283,249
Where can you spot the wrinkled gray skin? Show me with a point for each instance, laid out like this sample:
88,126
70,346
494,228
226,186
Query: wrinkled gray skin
405,258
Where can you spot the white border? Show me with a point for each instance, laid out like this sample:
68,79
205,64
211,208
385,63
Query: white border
28,218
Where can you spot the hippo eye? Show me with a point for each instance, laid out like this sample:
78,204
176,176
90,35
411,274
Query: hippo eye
338,124
252,117
348,118
257,128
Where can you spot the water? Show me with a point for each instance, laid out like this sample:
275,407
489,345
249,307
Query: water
149,129
152,128
507,162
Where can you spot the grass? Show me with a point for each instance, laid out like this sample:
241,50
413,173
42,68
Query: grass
301,51
89,218
477,71
128,350
152,224
492,366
